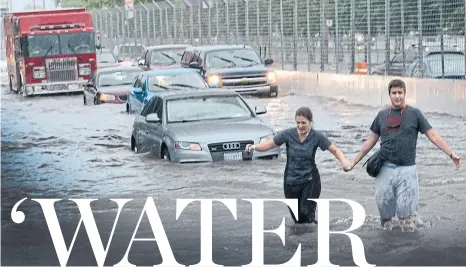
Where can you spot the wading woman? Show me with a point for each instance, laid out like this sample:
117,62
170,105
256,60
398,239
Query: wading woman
302,179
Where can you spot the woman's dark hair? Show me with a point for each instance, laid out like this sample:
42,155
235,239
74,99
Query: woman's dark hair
304,112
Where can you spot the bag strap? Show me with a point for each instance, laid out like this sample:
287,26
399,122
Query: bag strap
366,162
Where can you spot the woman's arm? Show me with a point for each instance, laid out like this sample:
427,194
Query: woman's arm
339,155
263,146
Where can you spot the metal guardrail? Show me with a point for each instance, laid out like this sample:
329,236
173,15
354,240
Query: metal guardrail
305,35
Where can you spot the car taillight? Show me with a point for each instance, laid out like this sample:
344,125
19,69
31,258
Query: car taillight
84,69
38,73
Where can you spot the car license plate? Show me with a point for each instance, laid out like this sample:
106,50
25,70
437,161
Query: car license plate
73,87
57,87
233,156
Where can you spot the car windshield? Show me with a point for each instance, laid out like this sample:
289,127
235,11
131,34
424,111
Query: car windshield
130,50
117,78
231,58
454,64
166,57
185,80
106,58
77,43
206,108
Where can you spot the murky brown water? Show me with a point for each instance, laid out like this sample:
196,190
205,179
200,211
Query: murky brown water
57,148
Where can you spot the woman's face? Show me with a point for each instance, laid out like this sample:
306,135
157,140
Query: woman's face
303,124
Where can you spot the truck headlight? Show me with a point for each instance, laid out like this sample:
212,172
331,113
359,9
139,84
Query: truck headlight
38,73
271,77
213,79
187,146
85,69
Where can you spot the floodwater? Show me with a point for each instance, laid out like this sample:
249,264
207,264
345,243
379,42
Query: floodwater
54,147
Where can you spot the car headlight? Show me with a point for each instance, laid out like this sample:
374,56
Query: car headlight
187,146
268,137
104,97
213,79
271,77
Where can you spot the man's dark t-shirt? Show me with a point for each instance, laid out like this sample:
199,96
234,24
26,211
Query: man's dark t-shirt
398,145
300,162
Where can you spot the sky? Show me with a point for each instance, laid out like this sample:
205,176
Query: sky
19,5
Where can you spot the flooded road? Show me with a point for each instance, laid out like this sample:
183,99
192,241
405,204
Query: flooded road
57,148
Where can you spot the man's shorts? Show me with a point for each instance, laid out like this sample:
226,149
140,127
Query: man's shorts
397,191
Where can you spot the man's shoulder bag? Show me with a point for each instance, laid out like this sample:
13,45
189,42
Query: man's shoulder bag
374,164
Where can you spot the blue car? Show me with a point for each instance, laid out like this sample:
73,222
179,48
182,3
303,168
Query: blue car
150,83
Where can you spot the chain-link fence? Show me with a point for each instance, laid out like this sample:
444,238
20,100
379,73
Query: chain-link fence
305,35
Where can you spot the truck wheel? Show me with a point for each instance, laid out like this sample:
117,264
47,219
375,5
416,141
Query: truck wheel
84,99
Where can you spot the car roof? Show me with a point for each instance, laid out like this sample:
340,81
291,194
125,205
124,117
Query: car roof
427,49
130,44
206,48
446,50
118,68
170,71
153,47
182,93
104,50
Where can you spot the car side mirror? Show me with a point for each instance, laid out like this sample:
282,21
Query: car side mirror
195,65
141,62
153,118
138,91
268,62
260,110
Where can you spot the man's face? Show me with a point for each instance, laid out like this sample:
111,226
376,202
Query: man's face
397,96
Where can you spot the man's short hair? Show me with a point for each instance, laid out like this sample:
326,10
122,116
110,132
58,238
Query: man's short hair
396,83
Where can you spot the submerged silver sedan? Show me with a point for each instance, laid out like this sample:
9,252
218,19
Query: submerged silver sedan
201,126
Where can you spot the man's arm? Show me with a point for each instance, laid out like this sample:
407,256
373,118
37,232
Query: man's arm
366,147
437,140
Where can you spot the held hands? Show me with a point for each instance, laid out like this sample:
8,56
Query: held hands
347,165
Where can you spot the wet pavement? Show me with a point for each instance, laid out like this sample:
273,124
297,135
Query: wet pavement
55,147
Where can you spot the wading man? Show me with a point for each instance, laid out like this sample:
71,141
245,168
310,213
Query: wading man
396,184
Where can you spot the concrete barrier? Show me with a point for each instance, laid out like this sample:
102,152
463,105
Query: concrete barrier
430,95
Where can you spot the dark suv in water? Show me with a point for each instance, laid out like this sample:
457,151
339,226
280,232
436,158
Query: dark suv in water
235,67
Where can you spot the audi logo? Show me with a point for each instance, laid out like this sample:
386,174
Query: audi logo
231,146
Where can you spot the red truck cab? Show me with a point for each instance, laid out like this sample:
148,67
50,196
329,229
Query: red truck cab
50,52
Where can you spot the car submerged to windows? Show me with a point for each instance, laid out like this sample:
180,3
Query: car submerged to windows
106,59
150,83
234,67
110,85
201,126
